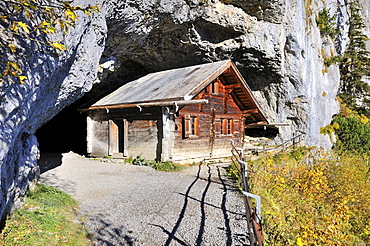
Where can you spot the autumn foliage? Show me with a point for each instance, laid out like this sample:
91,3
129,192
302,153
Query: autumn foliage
312,197
26,23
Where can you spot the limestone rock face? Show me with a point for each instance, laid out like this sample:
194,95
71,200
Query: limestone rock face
276,45
54,81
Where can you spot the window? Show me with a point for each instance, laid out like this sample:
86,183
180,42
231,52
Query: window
229,127
189,126
212,88
192,125
226,126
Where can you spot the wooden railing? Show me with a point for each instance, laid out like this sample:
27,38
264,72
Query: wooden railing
262,145
253,215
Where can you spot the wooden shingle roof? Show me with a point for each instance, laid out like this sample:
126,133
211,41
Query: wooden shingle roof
183,84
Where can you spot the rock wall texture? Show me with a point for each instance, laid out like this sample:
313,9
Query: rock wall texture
54,81
276,44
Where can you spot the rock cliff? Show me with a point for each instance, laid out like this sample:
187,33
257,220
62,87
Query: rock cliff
276,44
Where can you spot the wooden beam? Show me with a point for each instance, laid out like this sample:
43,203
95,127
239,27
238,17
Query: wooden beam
234,86
250,111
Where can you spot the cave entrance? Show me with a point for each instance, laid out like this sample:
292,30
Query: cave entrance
267,131
65,132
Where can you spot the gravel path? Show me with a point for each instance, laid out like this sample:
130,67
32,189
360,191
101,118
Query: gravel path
135,205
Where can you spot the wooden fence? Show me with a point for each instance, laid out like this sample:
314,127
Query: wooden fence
254,214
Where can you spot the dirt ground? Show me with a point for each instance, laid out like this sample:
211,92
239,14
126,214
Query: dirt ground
125,204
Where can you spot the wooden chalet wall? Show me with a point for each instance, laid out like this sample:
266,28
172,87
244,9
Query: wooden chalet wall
125,131
208,134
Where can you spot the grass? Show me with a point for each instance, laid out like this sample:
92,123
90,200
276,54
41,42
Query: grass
166,166
47,218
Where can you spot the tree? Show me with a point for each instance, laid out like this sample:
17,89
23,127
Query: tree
327,24
25,22
355,63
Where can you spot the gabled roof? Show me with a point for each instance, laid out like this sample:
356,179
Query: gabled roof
183,84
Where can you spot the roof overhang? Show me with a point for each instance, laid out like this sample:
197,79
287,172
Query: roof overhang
148,104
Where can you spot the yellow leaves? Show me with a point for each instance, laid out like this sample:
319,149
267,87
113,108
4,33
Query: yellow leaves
54,16
70,15
15,66
22,79
13,69
44,24
299,242
364,119
24,26
59,46
50,29
321,201
12,48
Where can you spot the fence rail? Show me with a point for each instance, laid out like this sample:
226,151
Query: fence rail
293,142
254,215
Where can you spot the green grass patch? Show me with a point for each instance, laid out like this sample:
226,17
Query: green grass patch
166,166
47,218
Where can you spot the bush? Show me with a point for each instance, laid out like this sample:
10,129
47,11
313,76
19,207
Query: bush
323,199
352,134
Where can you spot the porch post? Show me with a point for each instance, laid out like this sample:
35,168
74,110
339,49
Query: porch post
168,134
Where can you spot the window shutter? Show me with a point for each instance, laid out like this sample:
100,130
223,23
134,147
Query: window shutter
185,126
218,126
236,127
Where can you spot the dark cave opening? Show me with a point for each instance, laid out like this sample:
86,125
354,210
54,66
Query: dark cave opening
64,132
67,130
261,131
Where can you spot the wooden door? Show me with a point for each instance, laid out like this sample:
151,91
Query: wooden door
113,138
118,140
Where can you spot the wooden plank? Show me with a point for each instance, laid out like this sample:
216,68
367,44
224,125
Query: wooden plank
233,86
250,111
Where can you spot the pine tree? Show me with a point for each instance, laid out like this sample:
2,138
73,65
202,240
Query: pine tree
355,63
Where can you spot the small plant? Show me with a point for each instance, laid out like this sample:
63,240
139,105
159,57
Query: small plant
107,157
139,161
166,166
129,160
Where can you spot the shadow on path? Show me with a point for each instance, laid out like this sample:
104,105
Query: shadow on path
109,235
171,235
202,209
203,204
224,210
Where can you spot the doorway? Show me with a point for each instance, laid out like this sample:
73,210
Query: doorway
118,130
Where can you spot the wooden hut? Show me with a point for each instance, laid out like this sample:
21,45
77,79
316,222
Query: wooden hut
176,115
